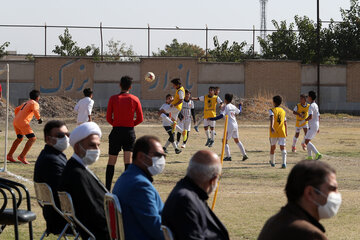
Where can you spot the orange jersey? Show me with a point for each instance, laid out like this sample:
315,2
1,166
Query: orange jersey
25,112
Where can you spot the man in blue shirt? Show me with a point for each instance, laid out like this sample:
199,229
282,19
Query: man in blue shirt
139,200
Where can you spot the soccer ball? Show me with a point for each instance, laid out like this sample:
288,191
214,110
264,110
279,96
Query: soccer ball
149,77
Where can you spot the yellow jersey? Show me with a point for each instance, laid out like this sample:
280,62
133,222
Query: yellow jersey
210,106
305,112
177,98
279,123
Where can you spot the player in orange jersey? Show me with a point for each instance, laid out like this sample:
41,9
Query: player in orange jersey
23,116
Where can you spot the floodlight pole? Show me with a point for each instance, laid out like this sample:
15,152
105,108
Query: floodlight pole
318,52
4,169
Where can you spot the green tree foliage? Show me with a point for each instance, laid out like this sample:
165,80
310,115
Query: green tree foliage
2,48
176,49
225,53
69,47
118,51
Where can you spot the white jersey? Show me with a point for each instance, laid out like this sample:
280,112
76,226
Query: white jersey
314,111
231,111
84,109
166,108
186,109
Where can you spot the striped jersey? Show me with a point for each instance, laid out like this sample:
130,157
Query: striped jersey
186,109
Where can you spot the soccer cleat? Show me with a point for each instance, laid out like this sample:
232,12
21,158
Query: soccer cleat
211,143
173,127
10,158
309,158
208,142
272,164
196,128
228,159
184,135
245,157
165,151
177,151
303,145
318,156
293,149
23,160
183,145
283,166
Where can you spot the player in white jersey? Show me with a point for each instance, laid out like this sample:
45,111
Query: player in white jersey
314,124
84,107
232,128
187,111
167,123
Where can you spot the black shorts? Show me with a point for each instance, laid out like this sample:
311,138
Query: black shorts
121,138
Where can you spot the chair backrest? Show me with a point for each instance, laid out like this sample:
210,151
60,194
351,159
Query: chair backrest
44,194
167,233
113,215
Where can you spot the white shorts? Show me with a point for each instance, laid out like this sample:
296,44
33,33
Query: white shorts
174,113
185,124
311,133
209,123
232,133
298,129
280,141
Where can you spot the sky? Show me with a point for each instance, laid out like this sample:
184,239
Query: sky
239,14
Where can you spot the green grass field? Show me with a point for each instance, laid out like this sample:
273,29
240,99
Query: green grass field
250,192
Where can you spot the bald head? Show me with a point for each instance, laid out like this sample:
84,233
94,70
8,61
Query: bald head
204,166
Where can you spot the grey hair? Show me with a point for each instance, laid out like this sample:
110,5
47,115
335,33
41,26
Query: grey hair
202,172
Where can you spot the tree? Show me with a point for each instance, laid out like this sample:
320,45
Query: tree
118,51
2,48
234,53
176,49
69,47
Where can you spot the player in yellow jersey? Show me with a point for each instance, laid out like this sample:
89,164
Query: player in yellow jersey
278,131
210,102
301,111
176,104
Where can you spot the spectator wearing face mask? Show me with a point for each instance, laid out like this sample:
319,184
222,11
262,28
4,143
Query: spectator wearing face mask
312,193
86,190
186,211
139,200
49,167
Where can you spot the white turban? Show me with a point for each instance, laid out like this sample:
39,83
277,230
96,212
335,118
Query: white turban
83,131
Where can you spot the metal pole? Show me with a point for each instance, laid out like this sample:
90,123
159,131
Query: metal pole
206,49
148,40
7,118
45,28
318,51
101,43
253,41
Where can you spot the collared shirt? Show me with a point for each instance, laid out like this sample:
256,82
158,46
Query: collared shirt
84,108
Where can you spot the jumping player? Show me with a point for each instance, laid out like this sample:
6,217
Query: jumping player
210,102
301,111
167,123
23,116
278,131
314,124
188,111
176,104
232,129
84,107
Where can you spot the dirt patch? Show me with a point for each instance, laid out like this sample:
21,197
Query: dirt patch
3,110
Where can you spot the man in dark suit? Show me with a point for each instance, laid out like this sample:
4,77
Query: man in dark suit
49,167
85,188
312,193
186,212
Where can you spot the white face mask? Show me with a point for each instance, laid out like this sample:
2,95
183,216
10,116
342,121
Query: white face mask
332,205
158,165
91,156
61,143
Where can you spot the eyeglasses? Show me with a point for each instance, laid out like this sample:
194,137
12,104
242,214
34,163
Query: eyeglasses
61,135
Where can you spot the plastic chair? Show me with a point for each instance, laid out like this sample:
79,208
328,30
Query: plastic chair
167,233
44,196
15,216
113,215
68,210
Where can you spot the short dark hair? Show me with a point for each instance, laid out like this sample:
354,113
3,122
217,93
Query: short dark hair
216,88
229,97
303,96
187,91
312,94
87,92
143,144
306,173
277,100
211,88
34,94
125,82
176,81
50,125
169,95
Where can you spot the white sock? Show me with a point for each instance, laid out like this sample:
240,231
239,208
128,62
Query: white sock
212,134
174,145
227,150
272,158
283,153
294,141
179,129
167,144
207,133
312,148
303,141
199,122
242,149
